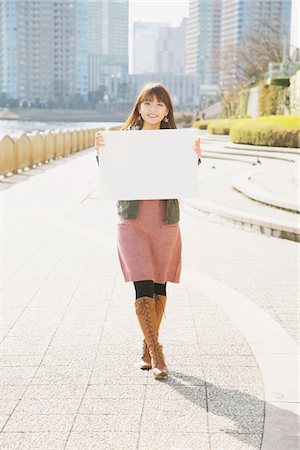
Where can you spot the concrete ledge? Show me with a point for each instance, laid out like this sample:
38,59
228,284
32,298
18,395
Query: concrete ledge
243,184
265,148
251,153
260,224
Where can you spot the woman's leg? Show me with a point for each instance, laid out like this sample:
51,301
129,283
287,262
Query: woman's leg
160,297
144,288
160,288
146,313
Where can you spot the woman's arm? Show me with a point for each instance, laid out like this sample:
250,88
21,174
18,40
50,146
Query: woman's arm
99,142
198,149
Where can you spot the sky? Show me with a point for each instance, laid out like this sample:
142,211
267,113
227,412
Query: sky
171,11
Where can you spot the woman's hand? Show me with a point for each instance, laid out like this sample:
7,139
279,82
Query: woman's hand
197,147
99,140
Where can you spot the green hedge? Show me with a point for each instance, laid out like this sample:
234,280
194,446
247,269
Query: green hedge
221,126
278,131
201,124
216,126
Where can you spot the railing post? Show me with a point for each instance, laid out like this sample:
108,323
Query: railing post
8,156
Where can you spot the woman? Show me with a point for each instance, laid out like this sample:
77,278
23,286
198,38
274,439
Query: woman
149,240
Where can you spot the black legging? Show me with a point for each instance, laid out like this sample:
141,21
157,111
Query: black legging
147,288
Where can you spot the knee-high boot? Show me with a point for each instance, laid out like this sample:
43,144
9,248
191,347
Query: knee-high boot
160,304
146,313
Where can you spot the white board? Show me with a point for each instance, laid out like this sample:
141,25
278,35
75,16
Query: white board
148,165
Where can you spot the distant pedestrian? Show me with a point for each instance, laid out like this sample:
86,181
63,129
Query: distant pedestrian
149,239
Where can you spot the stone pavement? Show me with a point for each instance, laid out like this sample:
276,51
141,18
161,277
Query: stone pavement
71,337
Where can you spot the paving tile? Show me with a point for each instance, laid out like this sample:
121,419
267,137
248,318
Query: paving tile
39,423
235,441
197,423
102,422
33,441
242,412
17,375
114,391
117,370
9,392
55,391
24,345
169,391
105,440
177,406
140,378
20,360
62,375
3,419
229,360
174,441
7,406
108,406
29,406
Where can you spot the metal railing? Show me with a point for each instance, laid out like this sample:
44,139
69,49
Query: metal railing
31,150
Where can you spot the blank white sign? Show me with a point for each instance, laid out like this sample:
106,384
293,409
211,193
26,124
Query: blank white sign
148,165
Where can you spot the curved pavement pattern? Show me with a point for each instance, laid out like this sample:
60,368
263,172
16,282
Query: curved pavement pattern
71,338
257,190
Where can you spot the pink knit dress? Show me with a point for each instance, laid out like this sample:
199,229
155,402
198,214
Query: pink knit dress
148,248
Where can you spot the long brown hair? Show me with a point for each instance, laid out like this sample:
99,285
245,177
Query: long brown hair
147,93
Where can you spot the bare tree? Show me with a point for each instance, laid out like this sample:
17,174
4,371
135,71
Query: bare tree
263,45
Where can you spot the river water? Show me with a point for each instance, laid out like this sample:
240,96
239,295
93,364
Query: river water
15,128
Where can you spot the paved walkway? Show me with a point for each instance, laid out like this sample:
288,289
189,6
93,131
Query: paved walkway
71,338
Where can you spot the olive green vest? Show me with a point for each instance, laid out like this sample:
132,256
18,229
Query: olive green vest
128,209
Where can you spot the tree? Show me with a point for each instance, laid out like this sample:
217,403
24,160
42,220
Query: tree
263,45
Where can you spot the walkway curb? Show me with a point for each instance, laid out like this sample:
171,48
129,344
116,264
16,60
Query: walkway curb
243,184
262,224
264,148
269,343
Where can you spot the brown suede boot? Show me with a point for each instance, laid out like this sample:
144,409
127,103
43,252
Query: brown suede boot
160,303
145,310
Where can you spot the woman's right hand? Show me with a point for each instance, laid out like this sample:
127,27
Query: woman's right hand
99,140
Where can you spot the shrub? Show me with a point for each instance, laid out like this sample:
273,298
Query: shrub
278,131
223,126
201,124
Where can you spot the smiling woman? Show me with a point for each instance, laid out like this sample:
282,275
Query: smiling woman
149,238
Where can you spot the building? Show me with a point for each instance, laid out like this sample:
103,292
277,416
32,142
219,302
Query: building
184,89
203,40
38,51
9,83
56,53
295,31
145,35
108,40
170,49
239,18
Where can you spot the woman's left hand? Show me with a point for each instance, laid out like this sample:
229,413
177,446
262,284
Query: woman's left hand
197,147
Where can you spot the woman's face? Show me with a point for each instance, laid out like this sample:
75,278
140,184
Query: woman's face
153,112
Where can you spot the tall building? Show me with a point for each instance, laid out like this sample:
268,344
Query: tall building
239,17
170,49
37,57
203,40
55,52
295,31
108,40
145,35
